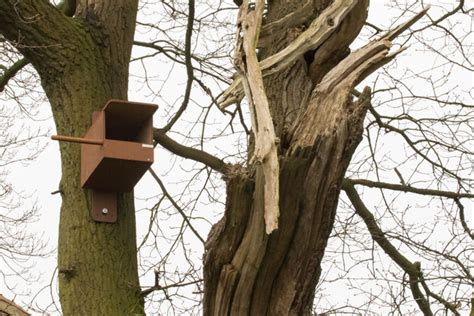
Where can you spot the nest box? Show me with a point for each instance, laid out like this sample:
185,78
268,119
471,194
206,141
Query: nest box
115,153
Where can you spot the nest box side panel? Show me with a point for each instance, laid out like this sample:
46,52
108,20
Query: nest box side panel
91,154
146,133
121,166
128,150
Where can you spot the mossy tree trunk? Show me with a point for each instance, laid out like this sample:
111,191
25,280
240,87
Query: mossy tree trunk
83,62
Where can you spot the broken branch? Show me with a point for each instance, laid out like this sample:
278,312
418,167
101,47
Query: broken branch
321,28
316,34
265,153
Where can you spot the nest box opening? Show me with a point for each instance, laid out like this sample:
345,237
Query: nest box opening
128,121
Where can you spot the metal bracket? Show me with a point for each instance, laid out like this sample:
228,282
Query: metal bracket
104,206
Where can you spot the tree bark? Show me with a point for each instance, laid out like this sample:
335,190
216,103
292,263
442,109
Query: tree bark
247,272
82,63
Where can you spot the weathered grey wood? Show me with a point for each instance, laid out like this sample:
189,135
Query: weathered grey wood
265,153
248,272
310,39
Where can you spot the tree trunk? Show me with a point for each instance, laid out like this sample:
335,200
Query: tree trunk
247,272
83,62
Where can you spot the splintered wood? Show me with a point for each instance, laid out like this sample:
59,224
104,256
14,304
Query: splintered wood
265,153
315,35
348,73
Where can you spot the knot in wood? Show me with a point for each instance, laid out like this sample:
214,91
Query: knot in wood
330,21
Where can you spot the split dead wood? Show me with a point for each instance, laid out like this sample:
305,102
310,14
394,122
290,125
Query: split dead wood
317,33
265,154
290,20
348,73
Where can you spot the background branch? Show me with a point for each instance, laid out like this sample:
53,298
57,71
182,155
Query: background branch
407,188
11,72
462,218
178,208
190,153
412,269
189,68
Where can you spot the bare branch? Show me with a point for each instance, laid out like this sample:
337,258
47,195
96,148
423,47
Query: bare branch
408,188
447,305
412,269
11,72
158,287
178,208
411,143
190,153
189,69
462,218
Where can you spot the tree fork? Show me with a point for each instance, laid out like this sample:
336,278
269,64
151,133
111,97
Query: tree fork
277,274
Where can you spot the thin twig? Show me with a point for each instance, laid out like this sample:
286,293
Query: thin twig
189,68
178,208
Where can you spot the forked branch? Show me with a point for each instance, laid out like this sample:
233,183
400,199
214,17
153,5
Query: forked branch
321,28
312,38
413,269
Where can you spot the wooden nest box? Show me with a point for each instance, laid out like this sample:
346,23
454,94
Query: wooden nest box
115,153
126,129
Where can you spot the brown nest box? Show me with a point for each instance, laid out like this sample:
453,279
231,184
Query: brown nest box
115,153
